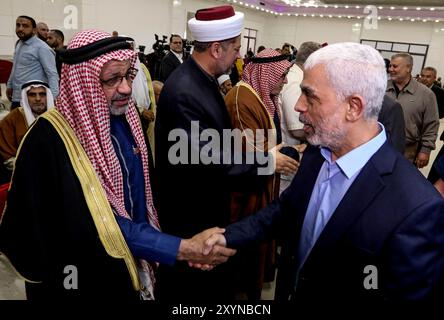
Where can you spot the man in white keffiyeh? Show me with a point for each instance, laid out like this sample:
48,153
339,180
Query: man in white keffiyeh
36,99
91,197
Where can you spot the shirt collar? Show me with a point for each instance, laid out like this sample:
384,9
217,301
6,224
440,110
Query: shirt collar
206,74
30,40
353,161
179,55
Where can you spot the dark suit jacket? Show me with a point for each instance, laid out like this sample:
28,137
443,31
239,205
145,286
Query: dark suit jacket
391,217
168,65
439,93
392,117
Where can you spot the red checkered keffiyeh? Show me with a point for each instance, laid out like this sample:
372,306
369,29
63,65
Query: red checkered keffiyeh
83,104
263,77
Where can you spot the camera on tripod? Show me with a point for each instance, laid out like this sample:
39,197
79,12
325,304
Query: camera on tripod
154,59
160,45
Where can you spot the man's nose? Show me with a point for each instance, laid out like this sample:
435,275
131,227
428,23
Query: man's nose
125,86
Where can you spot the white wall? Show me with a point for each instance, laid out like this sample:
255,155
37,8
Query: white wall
47,11
296,30
141,19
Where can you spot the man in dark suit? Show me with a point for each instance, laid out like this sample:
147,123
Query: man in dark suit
358,222
428,78
173,58
392,117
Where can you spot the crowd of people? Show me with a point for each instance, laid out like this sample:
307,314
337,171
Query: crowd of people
182,188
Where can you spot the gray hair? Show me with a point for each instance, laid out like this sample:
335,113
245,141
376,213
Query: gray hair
435,72
306,49
354,68
407,57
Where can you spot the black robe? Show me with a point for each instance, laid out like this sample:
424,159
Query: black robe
47,226
192,197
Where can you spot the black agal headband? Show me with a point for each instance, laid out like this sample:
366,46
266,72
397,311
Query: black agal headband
268,59
95,49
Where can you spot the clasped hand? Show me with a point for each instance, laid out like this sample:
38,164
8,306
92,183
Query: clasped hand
205,250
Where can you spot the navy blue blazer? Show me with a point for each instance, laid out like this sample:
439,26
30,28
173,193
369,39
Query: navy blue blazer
391,218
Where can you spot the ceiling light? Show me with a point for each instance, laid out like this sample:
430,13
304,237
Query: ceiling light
418,8
380,8
336,6
357,7
346,7
392,8
404,8
432,9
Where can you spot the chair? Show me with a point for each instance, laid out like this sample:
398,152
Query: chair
3,195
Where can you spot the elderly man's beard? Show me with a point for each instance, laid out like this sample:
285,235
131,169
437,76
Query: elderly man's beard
327,133
118,110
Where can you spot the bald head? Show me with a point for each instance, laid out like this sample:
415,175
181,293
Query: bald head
42,31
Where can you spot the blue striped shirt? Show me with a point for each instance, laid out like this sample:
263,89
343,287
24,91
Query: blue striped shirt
33,60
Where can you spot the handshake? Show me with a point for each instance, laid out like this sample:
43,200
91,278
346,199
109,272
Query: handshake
205,250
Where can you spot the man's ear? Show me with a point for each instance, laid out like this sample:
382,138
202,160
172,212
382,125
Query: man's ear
216,50
355,109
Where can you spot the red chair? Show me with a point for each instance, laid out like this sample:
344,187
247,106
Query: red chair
5,70
3,195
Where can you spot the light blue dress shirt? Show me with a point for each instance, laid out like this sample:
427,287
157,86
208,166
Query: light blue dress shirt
334,179
33,60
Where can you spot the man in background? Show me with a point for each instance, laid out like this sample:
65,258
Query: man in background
55,40
36,99
419,106
173,58
42,31
33,60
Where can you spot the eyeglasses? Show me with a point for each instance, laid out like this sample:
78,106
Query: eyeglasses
116,81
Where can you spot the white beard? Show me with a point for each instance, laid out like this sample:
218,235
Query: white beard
118,111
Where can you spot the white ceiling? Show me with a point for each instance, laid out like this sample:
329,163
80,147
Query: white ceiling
413,10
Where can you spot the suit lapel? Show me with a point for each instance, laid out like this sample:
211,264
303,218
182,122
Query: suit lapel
360,195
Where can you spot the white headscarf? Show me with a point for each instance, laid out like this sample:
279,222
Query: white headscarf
30,118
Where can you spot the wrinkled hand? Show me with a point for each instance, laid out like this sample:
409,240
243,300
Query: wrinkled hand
422,159
284,164
203,256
